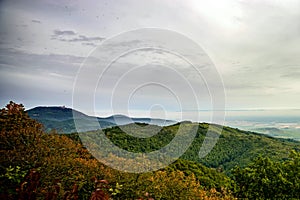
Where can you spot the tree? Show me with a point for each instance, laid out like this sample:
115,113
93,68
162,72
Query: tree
266,179
19,135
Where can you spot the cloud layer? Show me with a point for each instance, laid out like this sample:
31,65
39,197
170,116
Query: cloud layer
72,36
255,45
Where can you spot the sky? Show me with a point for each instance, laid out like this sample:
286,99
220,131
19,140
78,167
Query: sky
251,46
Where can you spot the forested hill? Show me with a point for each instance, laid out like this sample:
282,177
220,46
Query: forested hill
39,165
234,147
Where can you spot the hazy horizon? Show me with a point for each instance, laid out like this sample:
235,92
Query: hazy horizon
256,115
276,123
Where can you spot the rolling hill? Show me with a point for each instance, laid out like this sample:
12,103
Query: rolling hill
256,166
234,147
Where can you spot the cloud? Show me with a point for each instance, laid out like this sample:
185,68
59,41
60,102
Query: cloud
38,64
254,44
72,36
58,32
89,44
36,21
292,75
30,78
82,38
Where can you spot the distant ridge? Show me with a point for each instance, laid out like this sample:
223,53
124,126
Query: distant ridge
61,119
57,113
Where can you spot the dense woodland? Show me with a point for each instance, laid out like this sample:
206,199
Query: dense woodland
39,165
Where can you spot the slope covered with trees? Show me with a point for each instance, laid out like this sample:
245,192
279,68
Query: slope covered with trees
234,146
36,165
267,179
39,165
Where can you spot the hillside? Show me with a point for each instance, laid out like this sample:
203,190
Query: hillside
234,147
62,119
35,165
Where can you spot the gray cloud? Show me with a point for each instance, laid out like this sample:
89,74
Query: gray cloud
292,75
28,78
36,21
72,36
89,44
14,60
254,44
83,38
58,32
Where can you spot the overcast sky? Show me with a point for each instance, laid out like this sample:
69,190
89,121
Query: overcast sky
255,46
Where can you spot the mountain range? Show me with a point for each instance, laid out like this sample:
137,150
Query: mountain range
62,118
234,146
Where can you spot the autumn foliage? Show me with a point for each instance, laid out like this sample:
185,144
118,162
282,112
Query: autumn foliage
51,166
36,165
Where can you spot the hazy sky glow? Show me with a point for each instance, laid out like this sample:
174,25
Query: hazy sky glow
255,45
